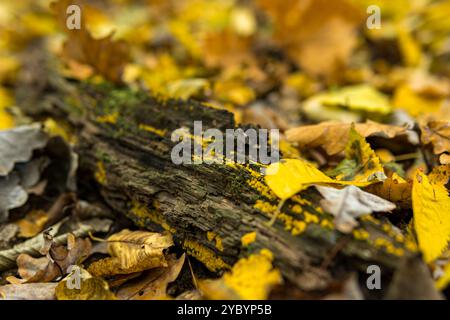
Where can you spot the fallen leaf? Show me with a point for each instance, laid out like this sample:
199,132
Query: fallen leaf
358,98
318,35
361,164
251,278
17,145
422,288
133,251
333,136
226,49
56,263
436,132
91,288
394,189
289,176
32,224
444,280
34,245
415,103
431,205
28,291
349,203
105,55
154,283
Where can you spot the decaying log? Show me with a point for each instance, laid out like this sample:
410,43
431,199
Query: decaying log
124,141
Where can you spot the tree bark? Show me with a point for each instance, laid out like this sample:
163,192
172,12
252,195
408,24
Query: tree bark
124,141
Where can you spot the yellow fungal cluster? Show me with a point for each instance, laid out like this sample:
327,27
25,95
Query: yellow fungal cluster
141,214
253,277
151,129
108,118
215,237
205,255
100,173
248,238
265,207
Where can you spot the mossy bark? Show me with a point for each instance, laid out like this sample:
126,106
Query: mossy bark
124,142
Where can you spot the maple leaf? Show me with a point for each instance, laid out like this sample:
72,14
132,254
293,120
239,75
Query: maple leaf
431,205
333,136
106,56
349,203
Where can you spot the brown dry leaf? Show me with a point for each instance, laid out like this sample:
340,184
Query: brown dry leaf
32,224
28,291
54,264
435,131
444,158
105,55
90,288
333,136
154,284
395,189
133,251
319,35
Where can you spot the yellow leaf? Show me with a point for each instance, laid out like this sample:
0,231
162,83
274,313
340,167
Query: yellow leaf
153,284
431,205
394,189
318,35
6,120
133,251
367,167
444,280
360,97
290,176
250,278
414,103
105,55
91,288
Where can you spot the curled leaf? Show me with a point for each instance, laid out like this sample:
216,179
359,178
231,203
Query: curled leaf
133,251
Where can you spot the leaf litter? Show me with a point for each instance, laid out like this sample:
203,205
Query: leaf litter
364,122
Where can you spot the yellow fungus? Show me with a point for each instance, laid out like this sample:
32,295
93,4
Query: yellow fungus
248,238
205,255
108,118
100,173
151,129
